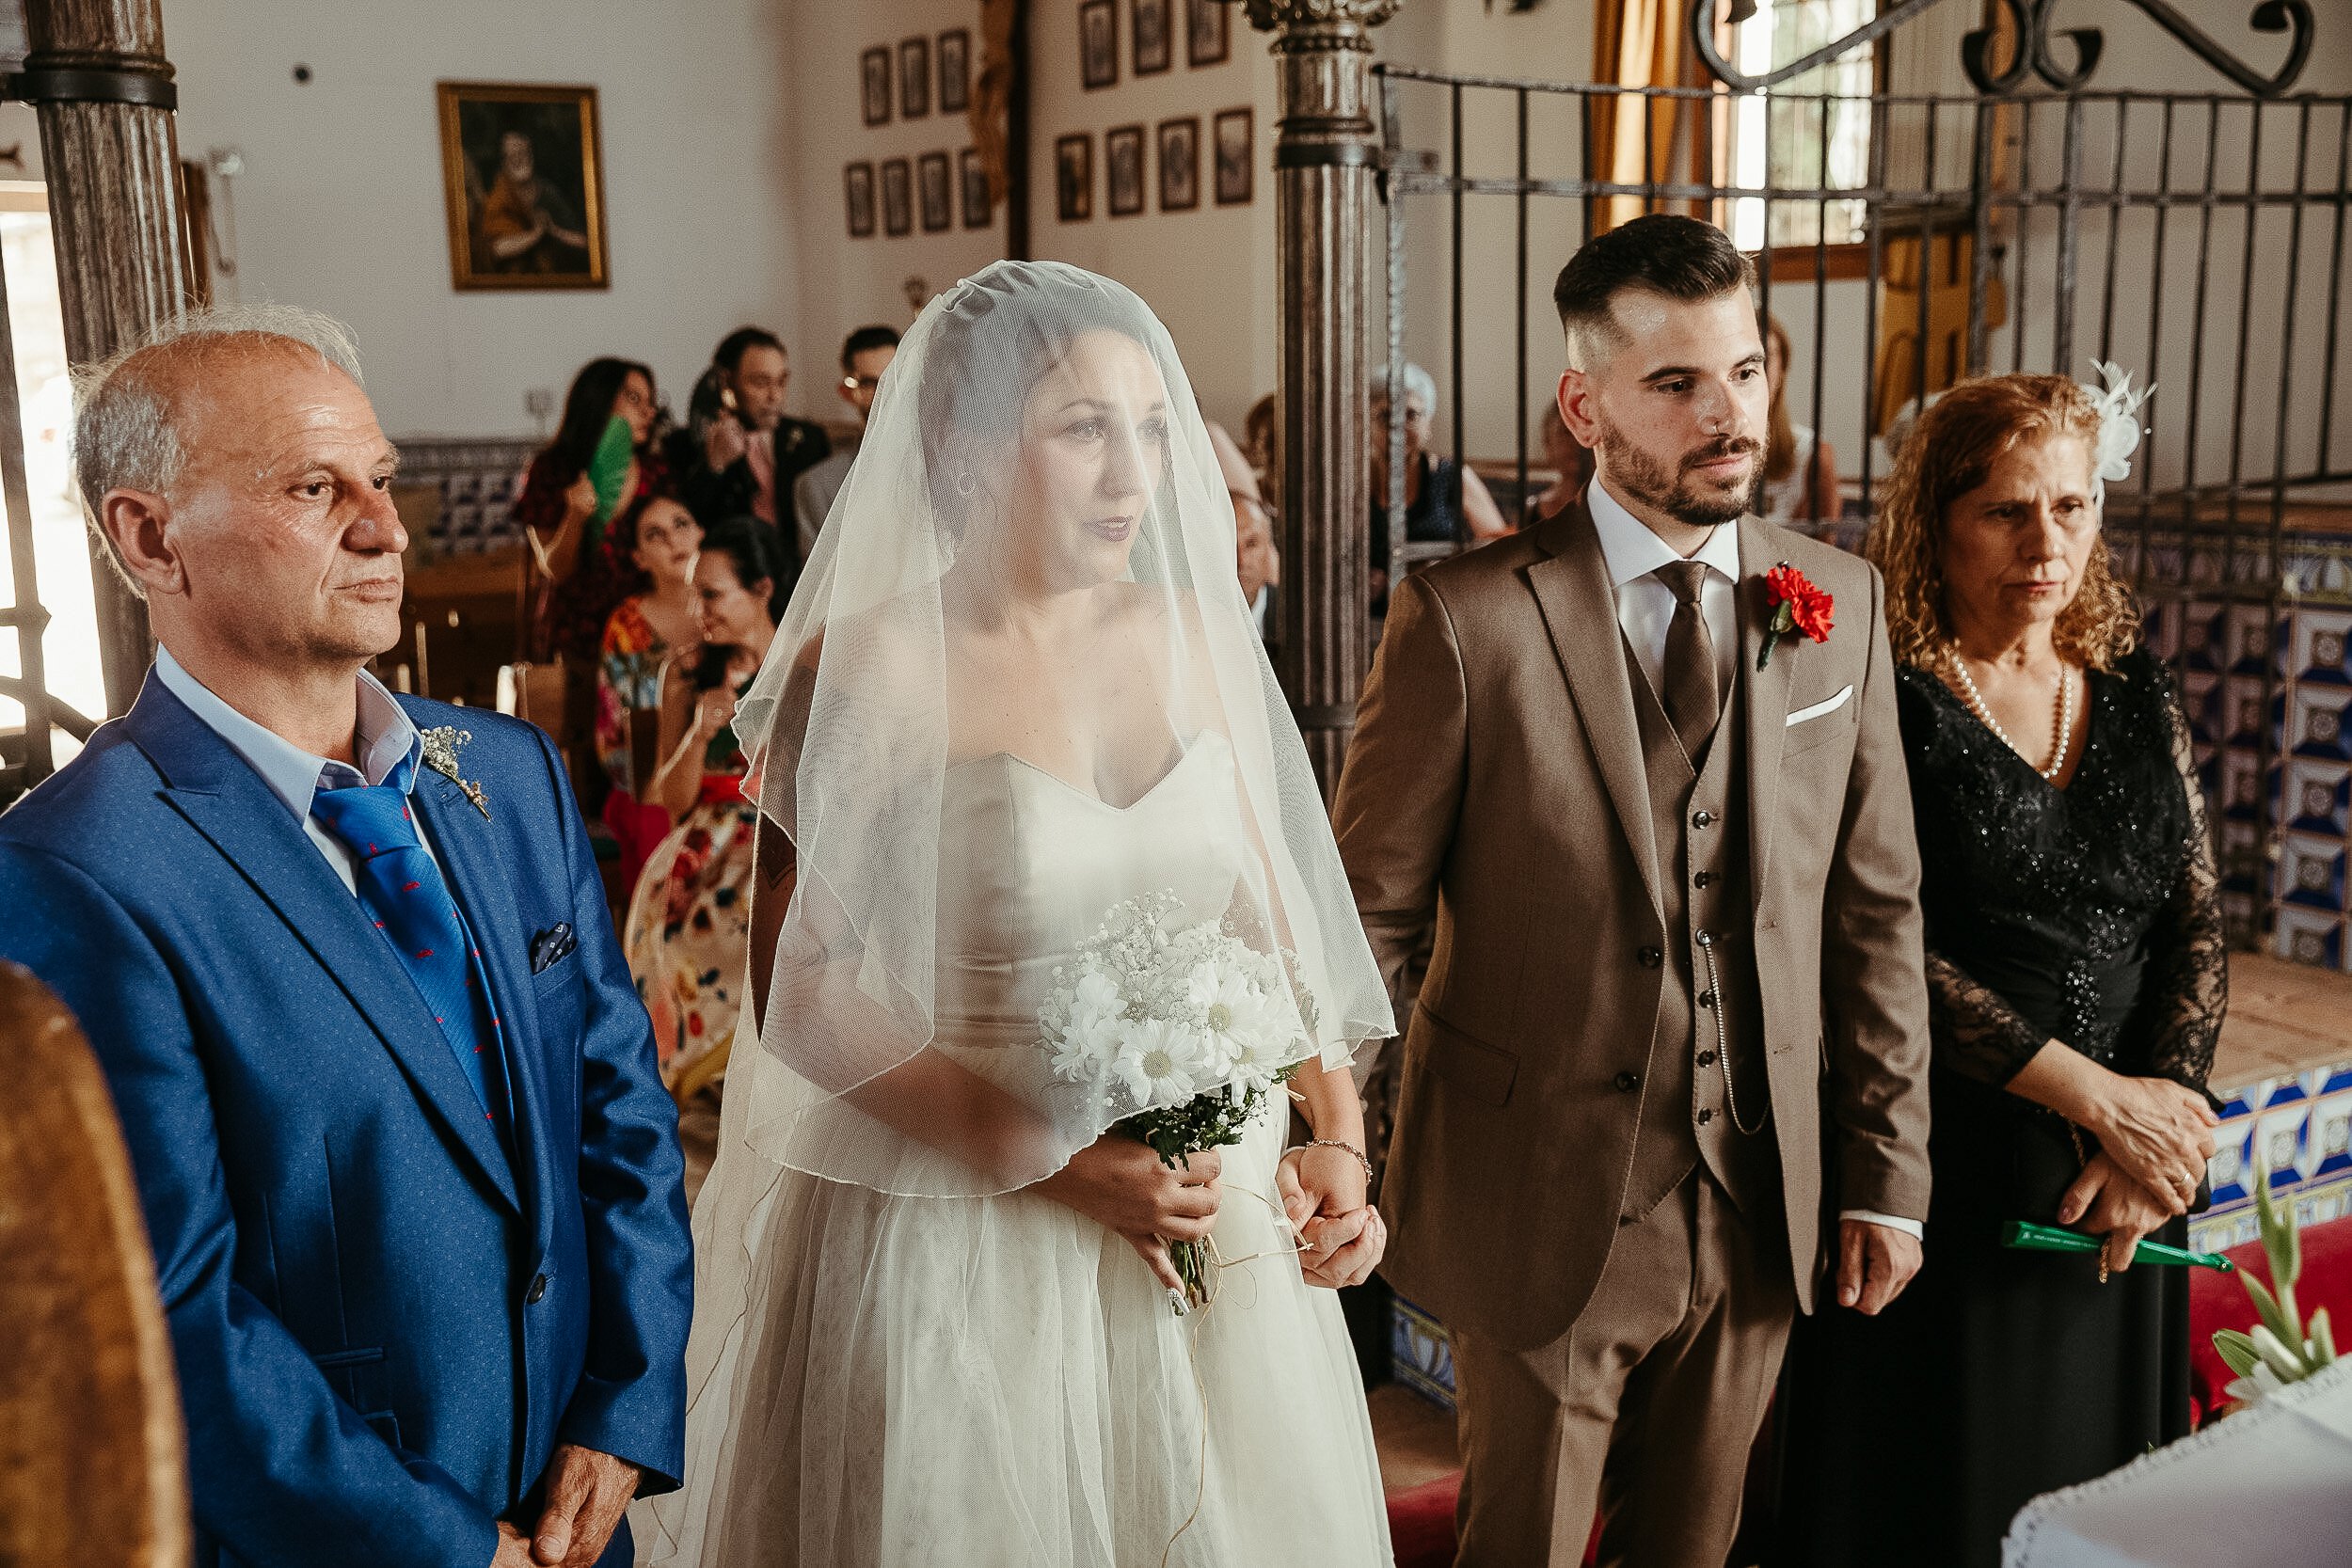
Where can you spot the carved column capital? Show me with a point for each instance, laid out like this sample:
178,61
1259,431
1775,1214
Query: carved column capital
1335,24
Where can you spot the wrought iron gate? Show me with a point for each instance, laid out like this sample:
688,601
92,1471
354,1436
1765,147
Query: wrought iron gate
2196,238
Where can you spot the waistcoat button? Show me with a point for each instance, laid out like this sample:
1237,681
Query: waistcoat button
1628,1082
1650,958
1705,1117
1702,820
538,1289
1705,878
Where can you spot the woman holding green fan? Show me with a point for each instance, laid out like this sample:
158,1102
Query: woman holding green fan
602,460
2076,982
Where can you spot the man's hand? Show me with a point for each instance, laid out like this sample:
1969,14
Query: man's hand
724,443
1874,1264
513,1549
587,1492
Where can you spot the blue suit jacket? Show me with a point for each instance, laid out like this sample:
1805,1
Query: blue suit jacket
383,1325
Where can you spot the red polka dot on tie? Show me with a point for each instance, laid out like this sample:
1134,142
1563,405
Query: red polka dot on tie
379,924
425,952
410,887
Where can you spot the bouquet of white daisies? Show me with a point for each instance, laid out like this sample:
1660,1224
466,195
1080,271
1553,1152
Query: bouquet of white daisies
1190,1026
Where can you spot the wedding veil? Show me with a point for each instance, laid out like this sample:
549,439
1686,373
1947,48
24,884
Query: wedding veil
960,519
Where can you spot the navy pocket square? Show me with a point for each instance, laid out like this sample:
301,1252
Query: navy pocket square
552,945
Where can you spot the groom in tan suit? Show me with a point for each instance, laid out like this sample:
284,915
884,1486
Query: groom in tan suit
1668,1068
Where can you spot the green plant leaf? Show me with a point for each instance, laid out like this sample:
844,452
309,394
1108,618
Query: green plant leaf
2237,1351
2323,1339
2266,1307
2286,1363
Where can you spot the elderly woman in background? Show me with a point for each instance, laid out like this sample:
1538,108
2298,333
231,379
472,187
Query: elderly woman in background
687,934
2078,982
1445,501
1571,463
1800,485
657,629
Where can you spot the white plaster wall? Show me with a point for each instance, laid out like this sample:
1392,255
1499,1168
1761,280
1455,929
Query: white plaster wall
340,207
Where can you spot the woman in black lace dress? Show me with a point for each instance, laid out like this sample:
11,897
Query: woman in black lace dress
2077,980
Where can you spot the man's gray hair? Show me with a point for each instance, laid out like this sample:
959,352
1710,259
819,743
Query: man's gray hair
126,432
1418,383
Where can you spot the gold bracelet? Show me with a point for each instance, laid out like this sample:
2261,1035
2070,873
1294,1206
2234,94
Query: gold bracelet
1362,1158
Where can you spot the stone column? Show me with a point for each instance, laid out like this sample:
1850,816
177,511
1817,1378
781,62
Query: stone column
96,72
1326,151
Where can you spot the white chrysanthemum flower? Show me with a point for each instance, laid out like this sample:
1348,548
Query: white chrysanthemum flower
1160,1063
1243,1028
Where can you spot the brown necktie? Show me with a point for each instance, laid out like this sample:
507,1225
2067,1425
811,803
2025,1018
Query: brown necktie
1694,700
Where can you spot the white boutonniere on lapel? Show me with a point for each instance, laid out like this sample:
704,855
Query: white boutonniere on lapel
441,744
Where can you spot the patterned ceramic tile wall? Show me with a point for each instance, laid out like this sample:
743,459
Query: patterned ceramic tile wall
2300,1127
479,481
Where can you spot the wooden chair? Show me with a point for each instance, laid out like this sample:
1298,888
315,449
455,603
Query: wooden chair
93,1460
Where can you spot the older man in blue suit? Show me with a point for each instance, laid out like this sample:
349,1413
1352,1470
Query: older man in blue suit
408,1168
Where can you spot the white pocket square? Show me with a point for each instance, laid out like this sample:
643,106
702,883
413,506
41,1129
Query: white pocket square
1820,709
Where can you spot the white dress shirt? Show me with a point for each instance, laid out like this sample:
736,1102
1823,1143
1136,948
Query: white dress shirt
294,775
1645,607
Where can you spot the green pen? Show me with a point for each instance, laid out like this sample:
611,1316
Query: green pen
2050,1238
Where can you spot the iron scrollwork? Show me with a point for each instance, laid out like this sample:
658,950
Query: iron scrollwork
2035,55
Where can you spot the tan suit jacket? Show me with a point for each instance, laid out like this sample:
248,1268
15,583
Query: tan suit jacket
1495,787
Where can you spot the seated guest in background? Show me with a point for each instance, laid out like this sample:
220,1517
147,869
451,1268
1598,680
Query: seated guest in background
1568,458
1800,485
655,628
1255,560
751,452
2076,973
688,934
1262,440
409,1177
1444,501
603,460
864,357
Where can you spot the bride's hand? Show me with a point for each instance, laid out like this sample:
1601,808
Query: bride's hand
1341,1236
1122,1186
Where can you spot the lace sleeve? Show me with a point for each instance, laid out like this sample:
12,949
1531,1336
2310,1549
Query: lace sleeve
2187,976
1976,1032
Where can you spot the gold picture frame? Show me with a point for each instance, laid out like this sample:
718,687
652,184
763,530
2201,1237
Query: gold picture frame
522,179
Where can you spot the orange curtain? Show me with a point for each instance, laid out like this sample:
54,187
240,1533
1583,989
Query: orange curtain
1636,140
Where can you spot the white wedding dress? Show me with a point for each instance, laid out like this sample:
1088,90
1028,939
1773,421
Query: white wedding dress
999,1382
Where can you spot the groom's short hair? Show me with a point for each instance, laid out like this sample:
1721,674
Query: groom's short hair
1664,253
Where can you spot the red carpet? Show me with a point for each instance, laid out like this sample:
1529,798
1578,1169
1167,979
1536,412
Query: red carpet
1420,1521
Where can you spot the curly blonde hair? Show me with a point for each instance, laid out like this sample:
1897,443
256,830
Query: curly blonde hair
1947,454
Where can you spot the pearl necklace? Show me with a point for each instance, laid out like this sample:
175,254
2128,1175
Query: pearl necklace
2064,726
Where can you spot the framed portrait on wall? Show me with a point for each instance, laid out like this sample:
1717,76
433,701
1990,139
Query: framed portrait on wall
1148,31
973,179
955,71
523,181
1122,171
1098,44
857,183
873,72
1207,41
1232,135
915,78
897,181
936,195
1074,177
1179,164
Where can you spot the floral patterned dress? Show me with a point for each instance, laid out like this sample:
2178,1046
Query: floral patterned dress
687,934
629,680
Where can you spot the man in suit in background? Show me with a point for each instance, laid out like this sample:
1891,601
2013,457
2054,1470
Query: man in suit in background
1675,1016
864,355
751,452
407,1166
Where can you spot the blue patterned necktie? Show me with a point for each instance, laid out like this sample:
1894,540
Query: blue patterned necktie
404,892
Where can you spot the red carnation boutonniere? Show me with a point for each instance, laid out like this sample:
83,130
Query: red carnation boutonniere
1797,607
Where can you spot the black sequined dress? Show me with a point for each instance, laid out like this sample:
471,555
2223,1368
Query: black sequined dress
2089,916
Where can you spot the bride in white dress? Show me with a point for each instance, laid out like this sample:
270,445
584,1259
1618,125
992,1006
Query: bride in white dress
1018,688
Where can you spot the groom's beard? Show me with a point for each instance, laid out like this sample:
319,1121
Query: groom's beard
1685,499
